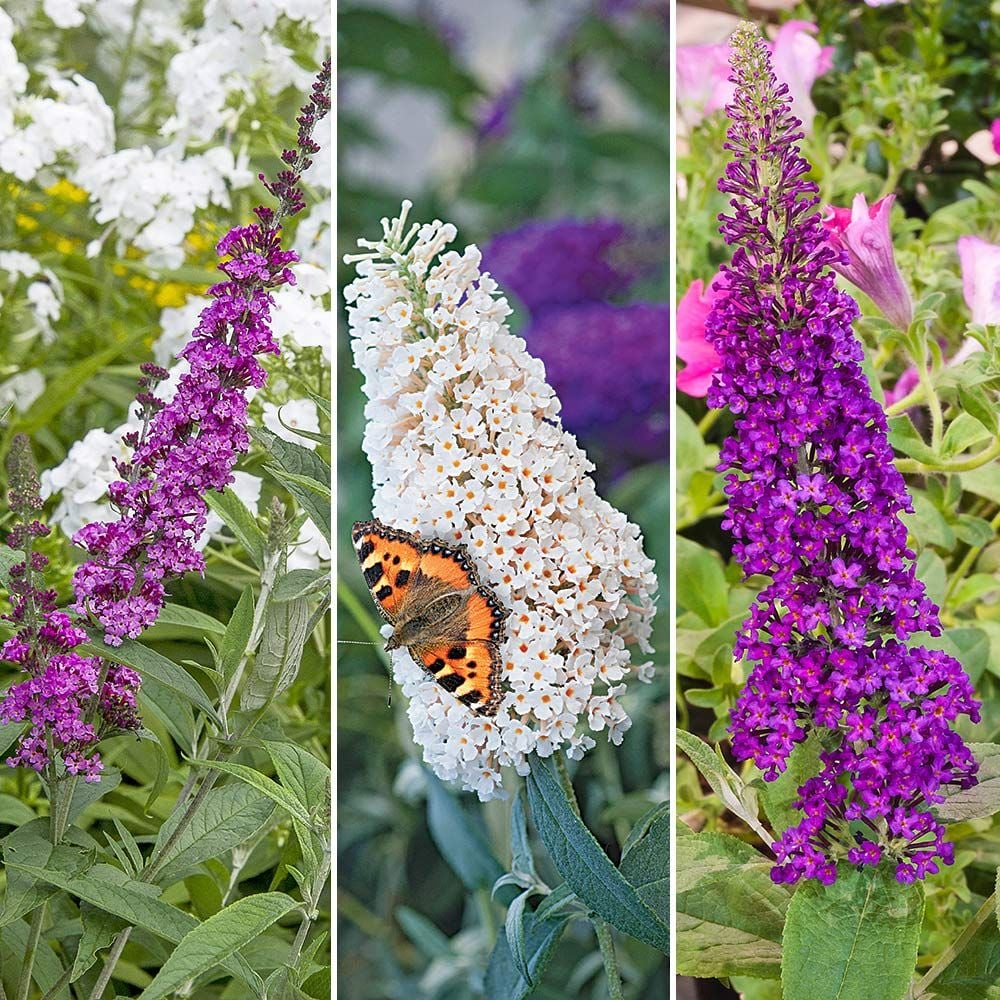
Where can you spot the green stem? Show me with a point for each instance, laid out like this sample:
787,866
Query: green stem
34,935
933,402
60,984
707,422
109,964
985,913
904,404
964,566
604,939
976,461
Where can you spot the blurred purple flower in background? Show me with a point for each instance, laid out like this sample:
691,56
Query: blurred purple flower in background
608,363
564,261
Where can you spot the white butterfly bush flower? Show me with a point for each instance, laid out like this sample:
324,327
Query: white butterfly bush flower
465,444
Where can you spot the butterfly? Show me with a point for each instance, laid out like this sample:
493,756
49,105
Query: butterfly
447,620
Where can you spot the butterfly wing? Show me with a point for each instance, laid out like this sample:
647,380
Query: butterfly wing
470,670
407,576
389,560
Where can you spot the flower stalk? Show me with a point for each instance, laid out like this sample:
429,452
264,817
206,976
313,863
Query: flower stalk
815,505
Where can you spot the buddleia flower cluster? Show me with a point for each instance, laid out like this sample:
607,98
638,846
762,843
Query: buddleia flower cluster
189,446
815,504
69,701
465,443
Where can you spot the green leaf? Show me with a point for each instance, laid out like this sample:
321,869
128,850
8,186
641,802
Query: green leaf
8,557
276,664
162,768
306,777
152,664
737,796
705,590
588,871
307,476
460,838
983,799
237,634
230,815
208,944
251,776
905,438
99,931
182,617
777,796
134,902
515,932
14,812
853,940
405,51
976,401
300,583
424,934
730,914
646,859
171,709
86,793
974,973
503,980
237,517
522,861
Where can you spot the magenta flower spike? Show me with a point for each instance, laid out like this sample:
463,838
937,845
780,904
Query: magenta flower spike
980,278
814,504
190,445
862,233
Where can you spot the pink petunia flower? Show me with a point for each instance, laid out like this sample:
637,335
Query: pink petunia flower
980,278
700,358
703,84
862,231
995,132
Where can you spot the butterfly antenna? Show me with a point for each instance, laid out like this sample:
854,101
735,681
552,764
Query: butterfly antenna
355,642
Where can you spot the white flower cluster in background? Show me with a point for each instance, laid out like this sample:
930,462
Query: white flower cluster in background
151,198
465,444
220,66
44,291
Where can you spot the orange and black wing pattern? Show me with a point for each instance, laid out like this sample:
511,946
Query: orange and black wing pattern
466,664
389,560
469,669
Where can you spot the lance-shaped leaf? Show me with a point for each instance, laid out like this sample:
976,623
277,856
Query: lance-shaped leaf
219,937
588,871
286,629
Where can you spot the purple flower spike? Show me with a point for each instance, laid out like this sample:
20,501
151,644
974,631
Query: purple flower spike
190,445
862,233
814,504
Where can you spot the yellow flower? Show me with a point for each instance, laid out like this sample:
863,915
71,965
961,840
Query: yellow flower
67,191
171,295
26,222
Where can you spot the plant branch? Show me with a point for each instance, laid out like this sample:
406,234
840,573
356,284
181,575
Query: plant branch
607,944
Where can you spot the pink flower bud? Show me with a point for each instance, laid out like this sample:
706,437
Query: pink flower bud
862,232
